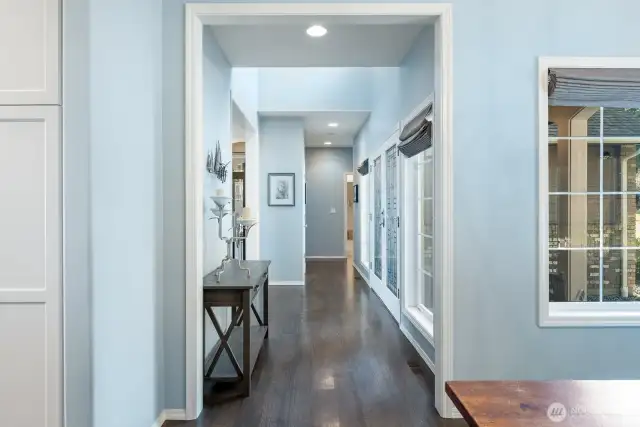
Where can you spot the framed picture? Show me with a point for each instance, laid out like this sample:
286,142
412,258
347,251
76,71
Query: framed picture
281,189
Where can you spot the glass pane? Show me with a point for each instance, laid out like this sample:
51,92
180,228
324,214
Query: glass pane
620,275
377,217
427,175
427,254
427,294
574,221
427,217
620,165
574,275
619,220
574,121
391,161
621,122
579,156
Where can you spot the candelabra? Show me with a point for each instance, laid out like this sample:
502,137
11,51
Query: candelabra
239,231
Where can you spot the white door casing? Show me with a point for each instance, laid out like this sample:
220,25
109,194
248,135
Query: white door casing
30,267
30,52
199,14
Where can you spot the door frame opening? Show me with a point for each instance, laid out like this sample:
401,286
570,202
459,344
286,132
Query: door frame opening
197,15
345,201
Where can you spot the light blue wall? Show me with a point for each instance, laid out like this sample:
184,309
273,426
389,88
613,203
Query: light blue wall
396,91
417,72
173,208
216,85
314,89
359,154
417,81
125,135
325,169
76,102
496,46
282,151
495,136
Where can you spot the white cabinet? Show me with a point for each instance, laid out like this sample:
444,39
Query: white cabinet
30,52
30,266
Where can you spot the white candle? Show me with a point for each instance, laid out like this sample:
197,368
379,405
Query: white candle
246,213
219,192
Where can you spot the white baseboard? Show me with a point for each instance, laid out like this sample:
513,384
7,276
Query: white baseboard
287,283
364,276
170,415
455,413
326,257
421,352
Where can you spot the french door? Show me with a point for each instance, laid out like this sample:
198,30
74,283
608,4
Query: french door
384,226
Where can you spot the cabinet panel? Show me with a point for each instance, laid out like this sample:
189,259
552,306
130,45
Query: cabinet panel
23,358
30,267
30,52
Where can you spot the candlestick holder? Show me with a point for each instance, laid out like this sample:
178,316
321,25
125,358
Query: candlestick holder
239,231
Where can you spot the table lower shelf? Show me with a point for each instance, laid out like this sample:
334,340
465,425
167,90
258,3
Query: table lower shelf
224,371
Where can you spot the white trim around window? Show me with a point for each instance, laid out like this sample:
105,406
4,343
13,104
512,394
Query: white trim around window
578,313
420,316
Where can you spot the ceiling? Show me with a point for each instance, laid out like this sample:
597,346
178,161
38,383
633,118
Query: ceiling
356,41
317,131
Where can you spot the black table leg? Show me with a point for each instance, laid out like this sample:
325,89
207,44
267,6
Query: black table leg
246,342
265,305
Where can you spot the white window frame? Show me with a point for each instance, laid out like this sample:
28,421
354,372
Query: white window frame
419,315
570,314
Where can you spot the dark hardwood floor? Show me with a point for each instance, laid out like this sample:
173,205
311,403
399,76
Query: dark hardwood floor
334,358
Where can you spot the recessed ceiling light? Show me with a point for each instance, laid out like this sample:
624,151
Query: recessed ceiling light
333,125
316,31
327,143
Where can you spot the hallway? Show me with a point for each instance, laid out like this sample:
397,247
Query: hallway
334,358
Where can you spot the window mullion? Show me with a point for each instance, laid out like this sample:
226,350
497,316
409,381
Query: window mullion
601,263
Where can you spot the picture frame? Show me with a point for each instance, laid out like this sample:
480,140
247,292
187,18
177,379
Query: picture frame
281,189
355,193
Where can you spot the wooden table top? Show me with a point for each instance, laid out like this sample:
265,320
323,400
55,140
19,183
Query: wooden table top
547,403
239,280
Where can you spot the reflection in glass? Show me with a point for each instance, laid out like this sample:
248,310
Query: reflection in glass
427,286
560,165
427,254
620,275
377,218
427,217
620,166
427,175
619,226
617,122
574,275
391,193
574,221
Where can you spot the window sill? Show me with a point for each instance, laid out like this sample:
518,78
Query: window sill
422,322
591,314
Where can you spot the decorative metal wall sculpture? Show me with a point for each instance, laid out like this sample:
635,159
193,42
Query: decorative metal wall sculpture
215,165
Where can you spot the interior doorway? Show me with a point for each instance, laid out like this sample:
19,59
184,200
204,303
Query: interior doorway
252,16
349,216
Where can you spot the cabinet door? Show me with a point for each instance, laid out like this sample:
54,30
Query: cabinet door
30,52
30,267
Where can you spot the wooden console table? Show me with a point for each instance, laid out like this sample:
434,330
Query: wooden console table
233,358
547,403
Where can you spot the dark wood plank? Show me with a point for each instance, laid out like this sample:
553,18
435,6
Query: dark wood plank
224,370
334,357
547,403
